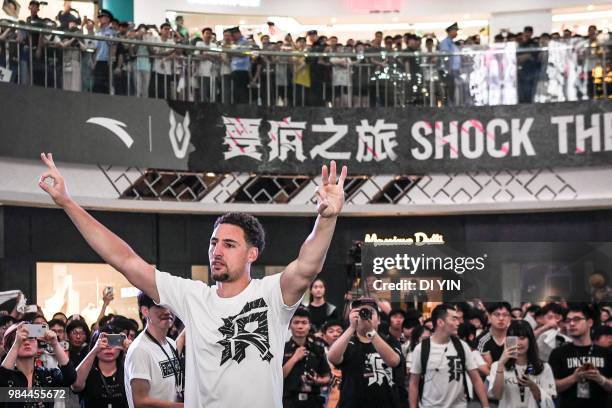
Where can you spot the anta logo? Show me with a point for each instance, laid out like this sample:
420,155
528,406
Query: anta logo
247,328
166,367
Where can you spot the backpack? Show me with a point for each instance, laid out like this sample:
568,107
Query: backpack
425,347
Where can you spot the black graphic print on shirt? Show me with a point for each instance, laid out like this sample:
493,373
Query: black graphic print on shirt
166,367
248,328
376,371
455,368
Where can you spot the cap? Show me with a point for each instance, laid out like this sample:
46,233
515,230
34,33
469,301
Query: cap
105,13
451,27
234,30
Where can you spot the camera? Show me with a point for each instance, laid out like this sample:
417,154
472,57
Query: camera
365,314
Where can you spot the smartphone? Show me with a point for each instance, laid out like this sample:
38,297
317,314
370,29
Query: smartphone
115,340
511,341
108,289
588,366
65,345
36,331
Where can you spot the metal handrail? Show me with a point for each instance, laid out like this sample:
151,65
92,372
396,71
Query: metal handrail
466,51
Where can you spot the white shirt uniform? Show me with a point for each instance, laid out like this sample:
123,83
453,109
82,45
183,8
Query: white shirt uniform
234,345
146,361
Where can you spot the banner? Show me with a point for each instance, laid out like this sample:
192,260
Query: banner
150,133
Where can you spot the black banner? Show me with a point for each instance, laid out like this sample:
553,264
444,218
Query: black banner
149,133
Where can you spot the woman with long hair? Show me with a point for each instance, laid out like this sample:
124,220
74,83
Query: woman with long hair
520,379
100,374
320,309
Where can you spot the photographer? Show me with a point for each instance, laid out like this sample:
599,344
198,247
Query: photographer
305,368
18,368
366,360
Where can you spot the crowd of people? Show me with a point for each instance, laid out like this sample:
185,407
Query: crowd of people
208,72
554,355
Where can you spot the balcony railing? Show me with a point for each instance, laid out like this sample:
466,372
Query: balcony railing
499,74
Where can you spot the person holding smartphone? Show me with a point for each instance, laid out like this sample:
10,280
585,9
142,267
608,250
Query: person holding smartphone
100,375
18,368
582,369
519,379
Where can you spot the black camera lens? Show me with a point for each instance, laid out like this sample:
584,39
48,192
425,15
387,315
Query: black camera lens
365,313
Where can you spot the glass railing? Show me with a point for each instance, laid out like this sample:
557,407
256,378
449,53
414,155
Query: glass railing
499,74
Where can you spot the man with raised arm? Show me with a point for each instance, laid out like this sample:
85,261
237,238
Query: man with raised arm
235,329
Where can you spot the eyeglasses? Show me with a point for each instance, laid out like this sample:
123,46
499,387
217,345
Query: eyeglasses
574,319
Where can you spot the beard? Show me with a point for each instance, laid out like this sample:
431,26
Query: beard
221,277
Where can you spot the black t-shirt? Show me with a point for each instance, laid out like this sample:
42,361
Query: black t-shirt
318,315
565,359
77,355
42,378
366,380
530,65
315,360
100,391
486,344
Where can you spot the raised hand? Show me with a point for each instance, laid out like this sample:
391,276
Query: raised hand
57,190
330,194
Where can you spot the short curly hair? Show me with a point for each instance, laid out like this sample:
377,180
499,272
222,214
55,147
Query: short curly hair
254,233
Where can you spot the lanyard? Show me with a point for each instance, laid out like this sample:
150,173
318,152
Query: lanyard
177,375
521,387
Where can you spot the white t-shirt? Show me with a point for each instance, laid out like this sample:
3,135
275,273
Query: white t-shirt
161,64
234,345
479,361
443,382
206,68
511,398
146,361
